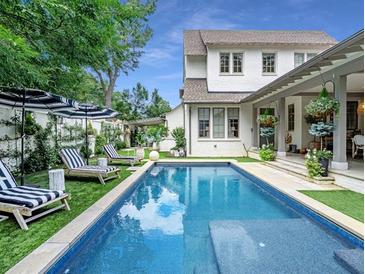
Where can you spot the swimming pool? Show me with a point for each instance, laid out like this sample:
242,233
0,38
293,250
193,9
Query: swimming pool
167,223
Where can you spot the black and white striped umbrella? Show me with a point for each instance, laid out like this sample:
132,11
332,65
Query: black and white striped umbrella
34,100
87,111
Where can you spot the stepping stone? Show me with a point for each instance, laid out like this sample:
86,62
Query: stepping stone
351,259
274,246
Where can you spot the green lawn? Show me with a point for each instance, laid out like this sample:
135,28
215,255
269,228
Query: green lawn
16,243
165,155
346,201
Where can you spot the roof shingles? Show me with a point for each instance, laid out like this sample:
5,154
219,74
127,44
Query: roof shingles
195,41
196,91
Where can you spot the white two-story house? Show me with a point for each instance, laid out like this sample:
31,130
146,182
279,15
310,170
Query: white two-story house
221,68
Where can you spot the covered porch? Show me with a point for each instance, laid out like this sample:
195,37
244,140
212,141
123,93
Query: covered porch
341,70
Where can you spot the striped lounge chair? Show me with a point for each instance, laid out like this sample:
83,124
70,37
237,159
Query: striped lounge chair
24,200
76,166
113,156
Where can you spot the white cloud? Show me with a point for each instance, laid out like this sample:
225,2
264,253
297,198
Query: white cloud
157,57
201,19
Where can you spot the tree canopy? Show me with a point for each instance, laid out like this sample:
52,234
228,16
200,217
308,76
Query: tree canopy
73,48
134,105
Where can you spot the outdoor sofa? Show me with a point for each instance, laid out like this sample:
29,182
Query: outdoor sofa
24,200
76,166
113,156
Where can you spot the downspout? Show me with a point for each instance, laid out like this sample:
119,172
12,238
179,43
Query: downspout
189,129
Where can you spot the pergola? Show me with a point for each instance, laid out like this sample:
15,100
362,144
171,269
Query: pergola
334,65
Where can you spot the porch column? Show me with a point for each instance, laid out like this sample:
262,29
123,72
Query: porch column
254,135
339,135
281,133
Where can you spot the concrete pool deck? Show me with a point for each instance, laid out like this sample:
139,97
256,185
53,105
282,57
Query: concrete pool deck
46,254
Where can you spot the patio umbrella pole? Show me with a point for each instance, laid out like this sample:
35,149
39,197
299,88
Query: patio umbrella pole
87,142
22,140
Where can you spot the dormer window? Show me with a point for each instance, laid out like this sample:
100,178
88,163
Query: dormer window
268,63
237,62
224,62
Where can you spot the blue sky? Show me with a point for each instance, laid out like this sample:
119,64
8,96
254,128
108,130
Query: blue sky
161,65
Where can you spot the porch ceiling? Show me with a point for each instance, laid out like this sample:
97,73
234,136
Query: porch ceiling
345,58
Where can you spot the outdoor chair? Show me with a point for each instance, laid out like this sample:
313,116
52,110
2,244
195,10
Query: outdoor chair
76,166
357,144
113,156
24,200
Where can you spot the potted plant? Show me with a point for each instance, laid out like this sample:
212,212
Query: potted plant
324,156
155,135
322,106
180,142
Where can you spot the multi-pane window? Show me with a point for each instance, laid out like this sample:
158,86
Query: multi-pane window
298,59
218,122
310,55
351,114
224,62
290,117
233,121
237,62
268,62
204,118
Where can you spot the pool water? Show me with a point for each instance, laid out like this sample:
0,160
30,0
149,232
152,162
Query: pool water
163,226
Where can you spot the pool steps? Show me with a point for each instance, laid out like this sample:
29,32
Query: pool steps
254,246
352,260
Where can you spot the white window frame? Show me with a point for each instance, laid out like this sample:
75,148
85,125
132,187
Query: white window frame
242,62
275,64
304,58
229,63
224,122
238,123
209,120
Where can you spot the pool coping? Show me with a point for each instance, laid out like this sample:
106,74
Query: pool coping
43,257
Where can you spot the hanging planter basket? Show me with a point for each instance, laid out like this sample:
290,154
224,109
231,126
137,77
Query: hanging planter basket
267,120
322,106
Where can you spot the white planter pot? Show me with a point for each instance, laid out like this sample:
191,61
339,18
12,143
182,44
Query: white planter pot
140,153
155,146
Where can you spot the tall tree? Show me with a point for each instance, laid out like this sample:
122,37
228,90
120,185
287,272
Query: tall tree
157,106
124,47
67,36
138,101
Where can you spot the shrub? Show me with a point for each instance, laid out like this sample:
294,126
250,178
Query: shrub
85,151
267,153
118,144
44,154
156,133
312,163
100,141
179,136
267,120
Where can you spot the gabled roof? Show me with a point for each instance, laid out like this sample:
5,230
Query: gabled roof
196,91
195,41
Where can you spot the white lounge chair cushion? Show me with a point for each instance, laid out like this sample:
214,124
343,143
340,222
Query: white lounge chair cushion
28,196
